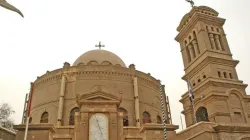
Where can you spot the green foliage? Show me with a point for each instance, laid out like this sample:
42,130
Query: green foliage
5,113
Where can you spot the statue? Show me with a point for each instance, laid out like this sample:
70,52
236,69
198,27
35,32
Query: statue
6,5
191,2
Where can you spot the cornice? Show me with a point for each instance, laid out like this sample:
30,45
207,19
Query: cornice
200,9
194,19
206,61
188,109
197,125
78,71
232,128
155,126
36,127
8,131
218,114
213,82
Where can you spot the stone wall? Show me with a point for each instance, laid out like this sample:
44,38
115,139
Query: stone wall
6,134
84,79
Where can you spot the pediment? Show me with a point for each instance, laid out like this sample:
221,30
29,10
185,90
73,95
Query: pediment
98,98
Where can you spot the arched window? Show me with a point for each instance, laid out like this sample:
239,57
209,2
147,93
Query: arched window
106,63
72,115
30,120
201,114
219,74
80,64
92,63
159,119
44,117
225,74
230,75
194,34
146,117
125,116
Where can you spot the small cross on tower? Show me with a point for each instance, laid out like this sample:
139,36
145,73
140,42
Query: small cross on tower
99,45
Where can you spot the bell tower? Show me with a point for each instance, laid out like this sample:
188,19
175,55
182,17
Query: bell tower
208,64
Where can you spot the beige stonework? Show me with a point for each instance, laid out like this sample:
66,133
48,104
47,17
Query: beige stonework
99,91
6,134
221,104
99,83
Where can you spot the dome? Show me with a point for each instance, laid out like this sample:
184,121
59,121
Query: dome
99,57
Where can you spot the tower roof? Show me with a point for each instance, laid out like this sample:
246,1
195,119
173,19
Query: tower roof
201,9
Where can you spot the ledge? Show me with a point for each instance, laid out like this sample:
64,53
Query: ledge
232,127
62,136
7,130
65,127
155,126
36,127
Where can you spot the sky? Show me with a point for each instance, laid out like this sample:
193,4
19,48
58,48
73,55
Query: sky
141,32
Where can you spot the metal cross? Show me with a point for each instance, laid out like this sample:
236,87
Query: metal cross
191,2
99,45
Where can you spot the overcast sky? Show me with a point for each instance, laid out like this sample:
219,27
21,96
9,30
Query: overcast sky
139,31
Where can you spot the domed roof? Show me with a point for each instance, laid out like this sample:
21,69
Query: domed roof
202,9
99,57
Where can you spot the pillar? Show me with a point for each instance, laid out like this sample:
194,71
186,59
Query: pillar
61,100
211,36
191,51
120,125
217,41
188,54
196,47
137,111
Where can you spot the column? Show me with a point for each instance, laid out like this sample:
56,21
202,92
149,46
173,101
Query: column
217,41
120,125
61,100
188,54
211,36
196,47
137,111
191,51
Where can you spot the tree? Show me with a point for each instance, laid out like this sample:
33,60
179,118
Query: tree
5,113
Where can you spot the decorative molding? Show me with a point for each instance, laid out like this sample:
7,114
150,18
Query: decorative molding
95,71
217,83
205,62
218,114
155,126
43,126
193,17
7,130
232,128
109,98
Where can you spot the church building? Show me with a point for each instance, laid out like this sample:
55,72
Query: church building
99,97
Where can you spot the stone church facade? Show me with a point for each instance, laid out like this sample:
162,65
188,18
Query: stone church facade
99,98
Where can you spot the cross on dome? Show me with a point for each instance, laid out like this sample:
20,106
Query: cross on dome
99,45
